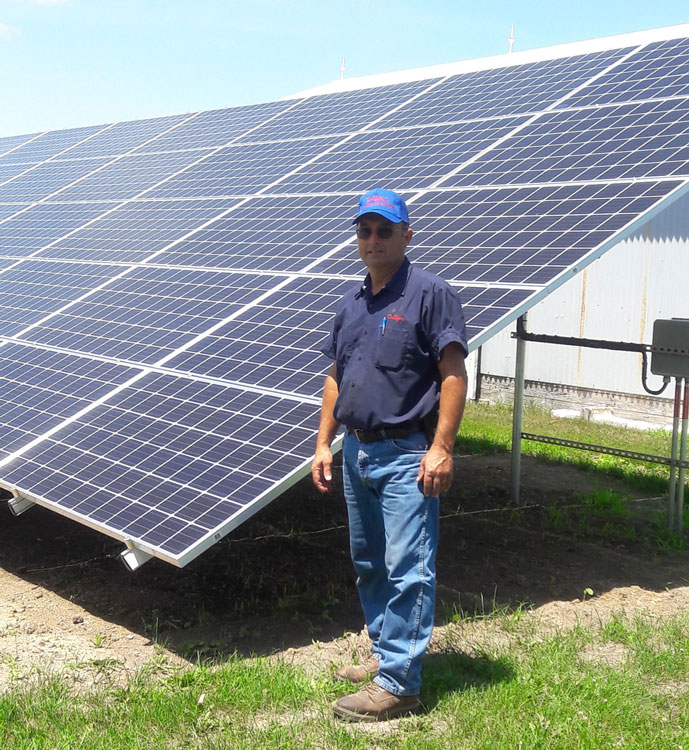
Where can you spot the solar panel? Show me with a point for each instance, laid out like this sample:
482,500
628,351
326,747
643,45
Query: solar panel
241,170
504,91
216,128
337,113
515,235
36,289
660,70
402,159
27,230
644,139
42,388
128,176
50,144
266,233
38,181
125,136
130,232
168,282
144,314
168,460
12,142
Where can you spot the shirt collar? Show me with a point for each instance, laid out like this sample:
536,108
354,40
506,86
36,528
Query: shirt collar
397,284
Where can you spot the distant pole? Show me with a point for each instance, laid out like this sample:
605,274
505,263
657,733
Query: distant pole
518,410
342,69
511,39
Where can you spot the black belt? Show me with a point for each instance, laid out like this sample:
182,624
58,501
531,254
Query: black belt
386,433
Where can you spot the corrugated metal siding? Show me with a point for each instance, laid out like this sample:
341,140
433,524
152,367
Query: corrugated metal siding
618,297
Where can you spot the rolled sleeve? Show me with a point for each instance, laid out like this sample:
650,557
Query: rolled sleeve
446,321
329,346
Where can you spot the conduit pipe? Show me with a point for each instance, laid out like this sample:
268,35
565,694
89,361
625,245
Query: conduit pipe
682,457
672,486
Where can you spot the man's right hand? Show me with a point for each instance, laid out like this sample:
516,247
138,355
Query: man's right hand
321,470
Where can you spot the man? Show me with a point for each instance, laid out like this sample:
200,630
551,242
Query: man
398,385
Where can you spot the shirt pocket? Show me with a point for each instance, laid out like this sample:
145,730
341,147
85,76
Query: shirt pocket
391,348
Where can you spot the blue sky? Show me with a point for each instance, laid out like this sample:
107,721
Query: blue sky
65,63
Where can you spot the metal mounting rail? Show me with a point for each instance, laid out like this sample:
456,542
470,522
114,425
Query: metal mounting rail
604,449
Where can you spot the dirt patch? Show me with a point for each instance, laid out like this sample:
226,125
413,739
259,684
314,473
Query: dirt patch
283,583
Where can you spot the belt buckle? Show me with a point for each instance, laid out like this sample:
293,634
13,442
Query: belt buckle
359,434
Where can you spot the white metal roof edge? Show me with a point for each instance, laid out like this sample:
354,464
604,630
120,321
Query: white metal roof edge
539,54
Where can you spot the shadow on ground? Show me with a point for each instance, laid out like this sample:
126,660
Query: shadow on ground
284,578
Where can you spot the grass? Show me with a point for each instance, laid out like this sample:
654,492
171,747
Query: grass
604,515
488,429
624,683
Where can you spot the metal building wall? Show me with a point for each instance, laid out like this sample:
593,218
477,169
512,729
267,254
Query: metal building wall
618,297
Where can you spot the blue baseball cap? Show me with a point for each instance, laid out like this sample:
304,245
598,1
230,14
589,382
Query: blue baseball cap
384,202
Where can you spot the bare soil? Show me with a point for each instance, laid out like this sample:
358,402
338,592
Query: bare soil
283,583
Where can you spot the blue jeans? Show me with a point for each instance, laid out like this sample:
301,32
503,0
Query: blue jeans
393,532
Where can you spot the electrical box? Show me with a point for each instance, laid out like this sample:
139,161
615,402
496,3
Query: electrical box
670,348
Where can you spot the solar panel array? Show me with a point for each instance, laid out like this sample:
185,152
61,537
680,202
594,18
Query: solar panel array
167,282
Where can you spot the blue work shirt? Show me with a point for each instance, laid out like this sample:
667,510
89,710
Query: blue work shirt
387,348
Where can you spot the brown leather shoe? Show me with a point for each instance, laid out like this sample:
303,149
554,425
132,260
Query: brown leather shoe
374,703
357,672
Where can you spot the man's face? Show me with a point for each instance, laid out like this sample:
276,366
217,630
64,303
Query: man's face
381,254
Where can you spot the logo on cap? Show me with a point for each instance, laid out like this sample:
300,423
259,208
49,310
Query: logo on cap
388,204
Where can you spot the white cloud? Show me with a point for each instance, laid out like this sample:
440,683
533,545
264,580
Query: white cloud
8,32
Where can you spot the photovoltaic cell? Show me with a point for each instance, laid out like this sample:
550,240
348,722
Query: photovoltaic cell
656,71
12,170
272,234
147,313
518,235
507,91
134,230
168,460
402,160
5,262
8,210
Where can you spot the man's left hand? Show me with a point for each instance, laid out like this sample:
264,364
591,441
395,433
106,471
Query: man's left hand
435,471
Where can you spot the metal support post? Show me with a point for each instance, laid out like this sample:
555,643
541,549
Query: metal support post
671,496
682,457
518,410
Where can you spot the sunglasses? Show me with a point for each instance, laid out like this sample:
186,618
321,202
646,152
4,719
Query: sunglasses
383,233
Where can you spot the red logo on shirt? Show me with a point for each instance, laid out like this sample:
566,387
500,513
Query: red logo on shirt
395,317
